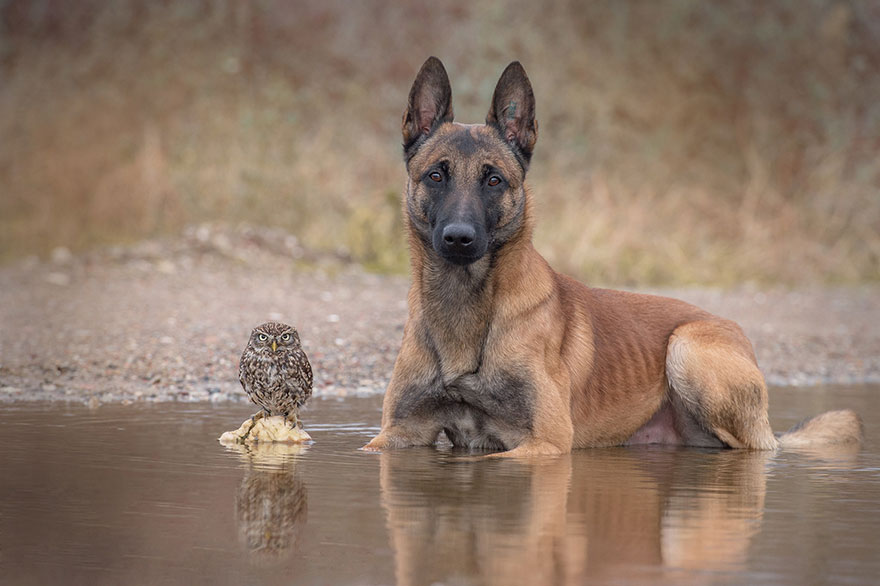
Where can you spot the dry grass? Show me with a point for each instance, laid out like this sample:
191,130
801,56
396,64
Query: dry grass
680,142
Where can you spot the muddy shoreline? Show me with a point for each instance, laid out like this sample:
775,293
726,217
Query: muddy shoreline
167,321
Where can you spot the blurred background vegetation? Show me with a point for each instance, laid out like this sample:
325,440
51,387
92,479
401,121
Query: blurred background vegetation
680,141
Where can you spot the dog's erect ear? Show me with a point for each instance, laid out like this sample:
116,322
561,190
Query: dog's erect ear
430,103
513,110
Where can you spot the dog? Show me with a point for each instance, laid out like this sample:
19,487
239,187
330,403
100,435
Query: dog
502,353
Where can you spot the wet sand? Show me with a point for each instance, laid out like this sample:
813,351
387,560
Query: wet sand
167,321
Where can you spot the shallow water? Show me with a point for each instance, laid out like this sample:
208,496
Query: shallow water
146,495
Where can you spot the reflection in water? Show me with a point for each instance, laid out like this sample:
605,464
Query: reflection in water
271,505
832,458
143,495
712,531
617,514
498,521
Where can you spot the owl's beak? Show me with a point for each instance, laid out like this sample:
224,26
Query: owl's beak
274,345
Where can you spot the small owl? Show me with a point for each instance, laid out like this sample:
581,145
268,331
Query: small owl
275,372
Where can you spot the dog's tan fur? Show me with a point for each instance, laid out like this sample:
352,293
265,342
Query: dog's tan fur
505,353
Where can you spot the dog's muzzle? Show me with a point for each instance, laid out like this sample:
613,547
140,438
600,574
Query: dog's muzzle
459,243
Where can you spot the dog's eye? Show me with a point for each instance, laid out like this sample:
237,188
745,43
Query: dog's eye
435,176
493,181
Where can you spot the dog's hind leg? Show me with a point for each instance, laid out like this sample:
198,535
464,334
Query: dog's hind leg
715,386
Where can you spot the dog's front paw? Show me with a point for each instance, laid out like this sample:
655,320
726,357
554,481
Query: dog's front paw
377,444
398,436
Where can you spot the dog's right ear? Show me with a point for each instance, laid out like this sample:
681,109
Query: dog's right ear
430,104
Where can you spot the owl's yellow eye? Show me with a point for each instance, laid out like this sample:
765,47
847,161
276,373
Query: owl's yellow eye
285,337
263,337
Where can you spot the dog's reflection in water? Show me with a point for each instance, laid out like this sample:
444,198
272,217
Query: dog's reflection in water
616,514
271,506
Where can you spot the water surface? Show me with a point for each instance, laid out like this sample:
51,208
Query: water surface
145,494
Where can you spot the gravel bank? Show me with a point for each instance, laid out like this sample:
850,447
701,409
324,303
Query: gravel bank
167,321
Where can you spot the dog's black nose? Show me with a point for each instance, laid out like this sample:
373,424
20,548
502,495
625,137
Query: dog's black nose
459,236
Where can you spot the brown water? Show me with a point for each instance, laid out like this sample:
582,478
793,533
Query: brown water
146,495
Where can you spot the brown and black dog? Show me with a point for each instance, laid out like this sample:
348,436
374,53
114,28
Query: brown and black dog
501,352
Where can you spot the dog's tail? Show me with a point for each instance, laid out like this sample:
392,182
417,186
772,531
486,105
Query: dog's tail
826,429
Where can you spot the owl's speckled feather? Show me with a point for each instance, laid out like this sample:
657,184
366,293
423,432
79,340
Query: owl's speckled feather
279,380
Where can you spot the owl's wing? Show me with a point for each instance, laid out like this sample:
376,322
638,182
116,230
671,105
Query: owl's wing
242,378
305,371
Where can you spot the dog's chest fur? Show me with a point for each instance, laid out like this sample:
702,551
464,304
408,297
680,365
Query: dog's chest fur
478,405
485,411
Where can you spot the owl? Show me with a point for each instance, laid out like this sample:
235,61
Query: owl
275,372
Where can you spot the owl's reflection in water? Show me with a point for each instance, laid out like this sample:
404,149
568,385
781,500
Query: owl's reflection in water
271,506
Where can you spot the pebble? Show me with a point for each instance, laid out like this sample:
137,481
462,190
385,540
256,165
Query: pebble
61,256
166,266
59,279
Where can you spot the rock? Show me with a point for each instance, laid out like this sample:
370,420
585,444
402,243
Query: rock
166,267
61,255
60,279
266,430
275,455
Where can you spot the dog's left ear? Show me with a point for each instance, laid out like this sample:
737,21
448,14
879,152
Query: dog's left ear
513,110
